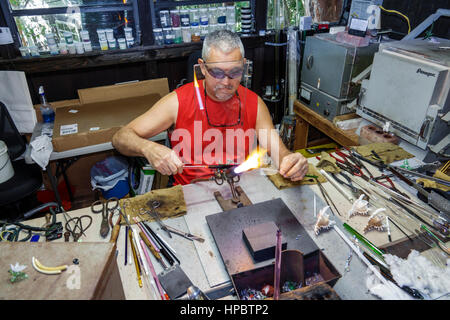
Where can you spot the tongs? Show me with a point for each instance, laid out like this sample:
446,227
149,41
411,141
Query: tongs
155,204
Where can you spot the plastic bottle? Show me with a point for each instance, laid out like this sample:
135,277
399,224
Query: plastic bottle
48,114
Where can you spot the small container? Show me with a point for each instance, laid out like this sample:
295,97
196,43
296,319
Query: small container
53,49
50,38
71,48
185,18
195,32
103,45
169,36
109,34
213,27
212,15
68,36
159,37
204,16
25,51
128,32
130,42
231,26
175,16
79,47
231,14
186,34
221,26
221,15
204,30
178,37
122,43
112,44
194,15
34,51
101,34
246,17
87,45
164,17
84,34
63,48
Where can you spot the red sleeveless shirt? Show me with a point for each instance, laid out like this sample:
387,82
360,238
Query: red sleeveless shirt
199,142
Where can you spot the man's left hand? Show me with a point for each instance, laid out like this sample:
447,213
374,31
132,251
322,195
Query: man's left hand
294,166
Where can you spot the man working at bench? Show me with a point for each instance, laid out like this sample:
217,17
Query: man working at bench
213,122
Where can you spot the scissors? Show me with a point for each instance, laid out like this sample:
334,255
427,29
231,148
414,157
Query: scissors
105,209
155,204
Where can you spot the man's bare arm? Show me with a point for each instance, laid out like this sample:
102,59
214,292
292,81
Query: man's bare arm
132,140
291,165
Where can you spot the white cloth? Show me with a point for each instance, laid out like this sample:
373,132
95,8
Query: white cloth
41,149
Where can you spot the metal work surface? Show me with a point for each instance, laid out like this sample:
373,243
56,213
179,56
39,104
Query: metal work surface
227,229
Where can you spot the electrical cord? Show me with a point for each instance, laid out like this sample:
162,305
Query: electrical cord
399,13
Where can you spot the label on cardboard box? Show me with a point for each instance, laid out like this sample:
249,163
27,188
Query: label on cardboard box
73,111
68,129
94,129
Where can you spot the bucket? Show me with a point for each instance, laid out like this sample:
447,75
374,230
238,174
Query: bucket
6,168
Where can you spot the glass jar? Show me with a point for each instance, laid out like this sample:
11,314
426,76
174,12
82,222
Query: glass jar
185,18
165,18
87,46
221,26
68,36
34,51
159,37
109,34
195,32
231,14
204,17
128,32
79,47
212,15
231,26
112,44
213,27
221,15
53,49
204,30
101,35
103,45
62,48
175,16
194,15
186,34
123,43
84,34
178,37
169,36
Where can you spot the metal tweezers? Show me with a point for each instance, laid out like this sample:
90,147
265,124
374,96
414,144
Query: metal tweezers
169,229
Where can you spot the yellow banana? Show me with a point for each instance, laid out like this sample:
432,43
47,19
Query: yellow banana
47,270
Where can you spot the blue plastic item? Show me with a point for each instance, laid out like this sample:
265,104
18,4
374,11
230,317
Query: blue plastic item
110,176
119,191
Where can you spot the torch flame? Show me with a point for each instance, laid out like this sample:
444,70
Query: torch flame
253,161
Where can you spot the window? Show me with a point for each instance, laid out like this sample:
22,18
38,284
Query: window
289,11
32,19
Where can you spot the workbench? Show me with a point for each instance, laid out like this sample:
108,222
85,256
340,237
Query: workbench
202,262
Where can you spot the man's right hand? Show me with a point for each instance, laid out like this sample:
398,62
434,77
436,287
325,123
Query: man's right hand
163,159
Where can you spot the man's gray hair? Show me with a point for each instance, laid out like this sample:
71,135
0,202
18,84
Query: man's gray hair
223,40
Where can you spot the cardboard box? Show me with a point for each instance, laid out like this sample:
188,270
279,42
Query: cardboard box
102,111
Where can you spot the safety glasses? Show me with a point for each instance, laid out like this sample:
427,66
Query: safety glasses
220,74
